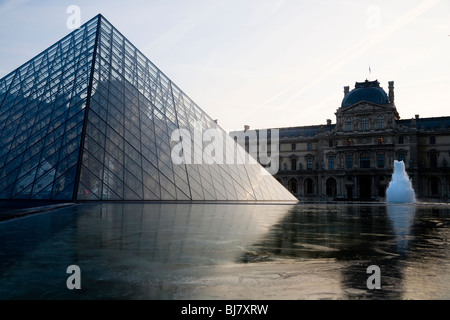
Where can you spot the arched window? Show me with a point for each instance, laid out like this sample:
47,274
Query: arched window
434,186
292,185
400,140
309,186
331,187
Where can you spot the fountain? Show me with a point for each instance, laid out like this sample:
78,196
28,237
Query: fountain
400,188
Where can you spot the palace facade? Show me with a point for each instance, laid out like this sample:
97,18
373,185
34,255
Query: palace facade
353,159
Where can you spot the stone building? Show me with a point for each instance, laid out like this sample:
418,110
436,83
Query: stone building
353,158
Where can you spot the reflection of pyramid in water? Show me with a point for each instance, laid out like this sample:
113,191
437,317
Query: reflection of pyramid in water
91,118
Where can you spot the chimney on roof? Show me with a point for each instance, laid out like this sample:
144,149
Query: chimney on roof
346,90
391,92
246,127
328,122
417,116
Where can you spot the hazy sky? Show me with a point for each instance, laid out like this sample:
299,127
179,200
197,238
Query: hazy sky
264,63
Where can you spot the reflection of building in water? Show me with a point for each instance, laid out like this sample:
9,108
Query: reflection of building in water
427,274
408,243
353,236
211,251
328,231
353,159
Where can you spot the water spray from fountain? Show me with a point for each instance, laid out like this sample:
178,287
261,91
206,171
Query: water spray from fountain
400,188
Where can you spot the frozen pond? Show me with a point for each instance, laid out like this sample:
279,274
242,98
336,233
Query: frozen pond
228,251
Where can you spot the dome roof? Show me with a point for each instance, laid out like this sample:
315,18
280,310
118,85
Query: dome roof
365,91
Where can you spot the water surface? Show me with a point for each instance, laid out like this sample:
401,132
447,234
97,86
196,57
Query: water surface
228,251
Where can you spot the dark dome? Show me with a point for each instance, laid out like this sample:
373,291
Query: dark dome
365,91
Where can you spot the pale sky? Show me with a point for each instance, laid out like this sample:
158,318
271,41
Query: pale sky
264,63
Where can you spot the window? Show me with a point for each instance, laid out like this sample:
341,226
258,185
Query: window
364,160
400,140
348,125
401,157
293,164
293,146
331,187
349,142
309,163
349,161
380,122
380,160
309,186
432,140
434,186
433,160
292,184
309,146
330,162
380,140
330,143
364,124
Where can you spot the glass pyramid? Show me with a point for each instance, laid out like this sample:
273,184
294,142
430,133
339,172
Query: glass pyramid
91,118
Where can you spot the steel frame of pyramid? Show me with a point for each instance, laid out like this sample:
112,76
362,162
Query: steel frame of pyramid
91,118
